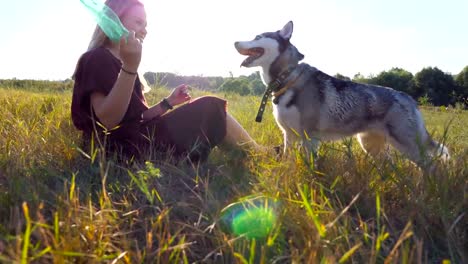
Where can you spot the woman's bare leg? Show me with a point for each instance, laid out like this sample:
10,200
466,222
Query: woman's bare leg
236,135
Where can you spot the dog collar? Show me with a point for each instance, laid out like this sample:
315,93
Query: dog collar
274,87
292,79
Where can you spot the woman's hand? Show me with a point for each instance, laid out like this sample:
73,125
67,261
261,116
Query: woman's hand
130,52
179,95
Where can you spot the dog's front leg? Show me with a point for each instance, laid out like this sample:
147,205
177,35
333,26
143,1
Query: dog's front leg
311,145
290,139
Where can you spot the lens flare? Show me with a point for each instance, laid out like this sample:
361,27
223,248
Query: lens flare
252,217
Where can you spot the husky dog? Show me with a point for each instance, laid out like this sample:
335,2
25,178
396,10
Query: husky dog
311,106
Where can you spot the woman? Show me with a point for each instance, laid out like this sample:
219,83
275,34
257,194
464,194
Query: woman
108,101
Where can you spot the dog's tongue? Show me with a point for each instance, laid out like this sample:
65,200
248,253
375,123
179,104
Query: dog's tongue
252,54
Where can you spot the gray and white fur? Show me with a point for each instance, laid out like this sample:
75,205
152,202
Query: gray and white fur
319,107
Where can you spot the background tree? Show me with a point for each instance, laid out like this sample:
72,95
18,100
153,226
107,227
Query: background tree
461,80
437,85
257,87
396,78
359,78
236,85
342,77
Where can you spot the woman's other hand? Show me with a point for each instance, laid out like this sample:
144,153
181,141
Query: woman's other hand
130,52
179,95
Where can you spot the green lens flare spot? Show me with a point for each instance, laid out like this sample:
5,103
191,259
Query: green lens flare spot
254,223
252,217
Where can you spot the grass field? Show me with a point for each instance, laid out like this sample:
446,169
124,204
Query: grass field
58,205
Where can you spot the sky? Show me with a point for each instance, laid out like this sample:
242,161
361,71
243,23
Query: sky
43,39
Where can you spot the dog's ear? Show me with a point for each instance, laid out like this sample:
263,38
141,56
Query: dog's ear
287,31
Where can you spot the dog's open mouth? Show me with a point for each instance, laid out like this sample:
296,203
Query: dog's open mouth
253,54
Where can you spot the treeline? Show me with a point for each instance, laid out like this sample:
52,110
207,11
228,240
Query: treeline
244,85
429,86
172,80
38,85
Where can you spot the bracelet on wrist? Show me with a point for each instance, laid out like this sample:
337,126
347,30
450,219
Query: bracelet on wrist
165,103
128,72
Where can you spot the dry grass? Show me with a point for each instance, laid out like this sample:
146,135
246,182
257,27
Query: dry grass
57,205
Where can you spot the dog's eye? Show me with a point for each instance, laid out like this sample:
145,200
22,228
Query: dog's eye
258,37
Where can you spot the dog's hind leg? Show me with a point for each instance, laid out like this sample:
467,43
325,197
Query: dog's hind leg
411,138
372,142
410,141
407,133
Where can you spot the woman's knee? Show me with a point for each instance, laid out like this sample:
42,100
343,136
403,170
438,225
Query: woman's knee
210,101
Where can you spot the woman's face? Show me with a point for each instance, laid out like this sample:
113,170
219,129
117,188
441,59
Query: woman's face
135,20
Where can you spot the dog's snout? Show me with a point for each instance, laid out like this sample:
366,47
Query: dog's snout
237,45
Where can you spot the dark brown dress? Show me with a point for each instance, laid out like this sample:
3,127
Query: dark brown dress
190,130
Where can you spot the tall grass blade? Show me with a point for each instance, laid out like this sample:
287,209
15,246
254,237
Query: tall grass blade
310,211
349,253
27,235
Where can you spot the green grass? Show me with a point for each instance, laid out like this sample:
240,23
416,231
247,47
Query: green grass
57,205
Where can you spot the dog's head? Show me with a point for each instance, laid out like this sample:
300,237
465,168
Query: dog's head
270,48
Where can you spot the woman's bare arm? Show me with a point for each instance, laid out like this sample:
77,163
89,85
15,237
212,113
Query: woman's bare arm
111,109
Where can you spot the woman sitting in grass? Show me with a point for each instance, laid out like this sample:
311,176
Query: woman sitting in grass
108,102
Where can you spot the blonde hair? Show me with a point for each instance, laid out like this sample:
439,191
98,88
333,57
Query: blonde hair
99,39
